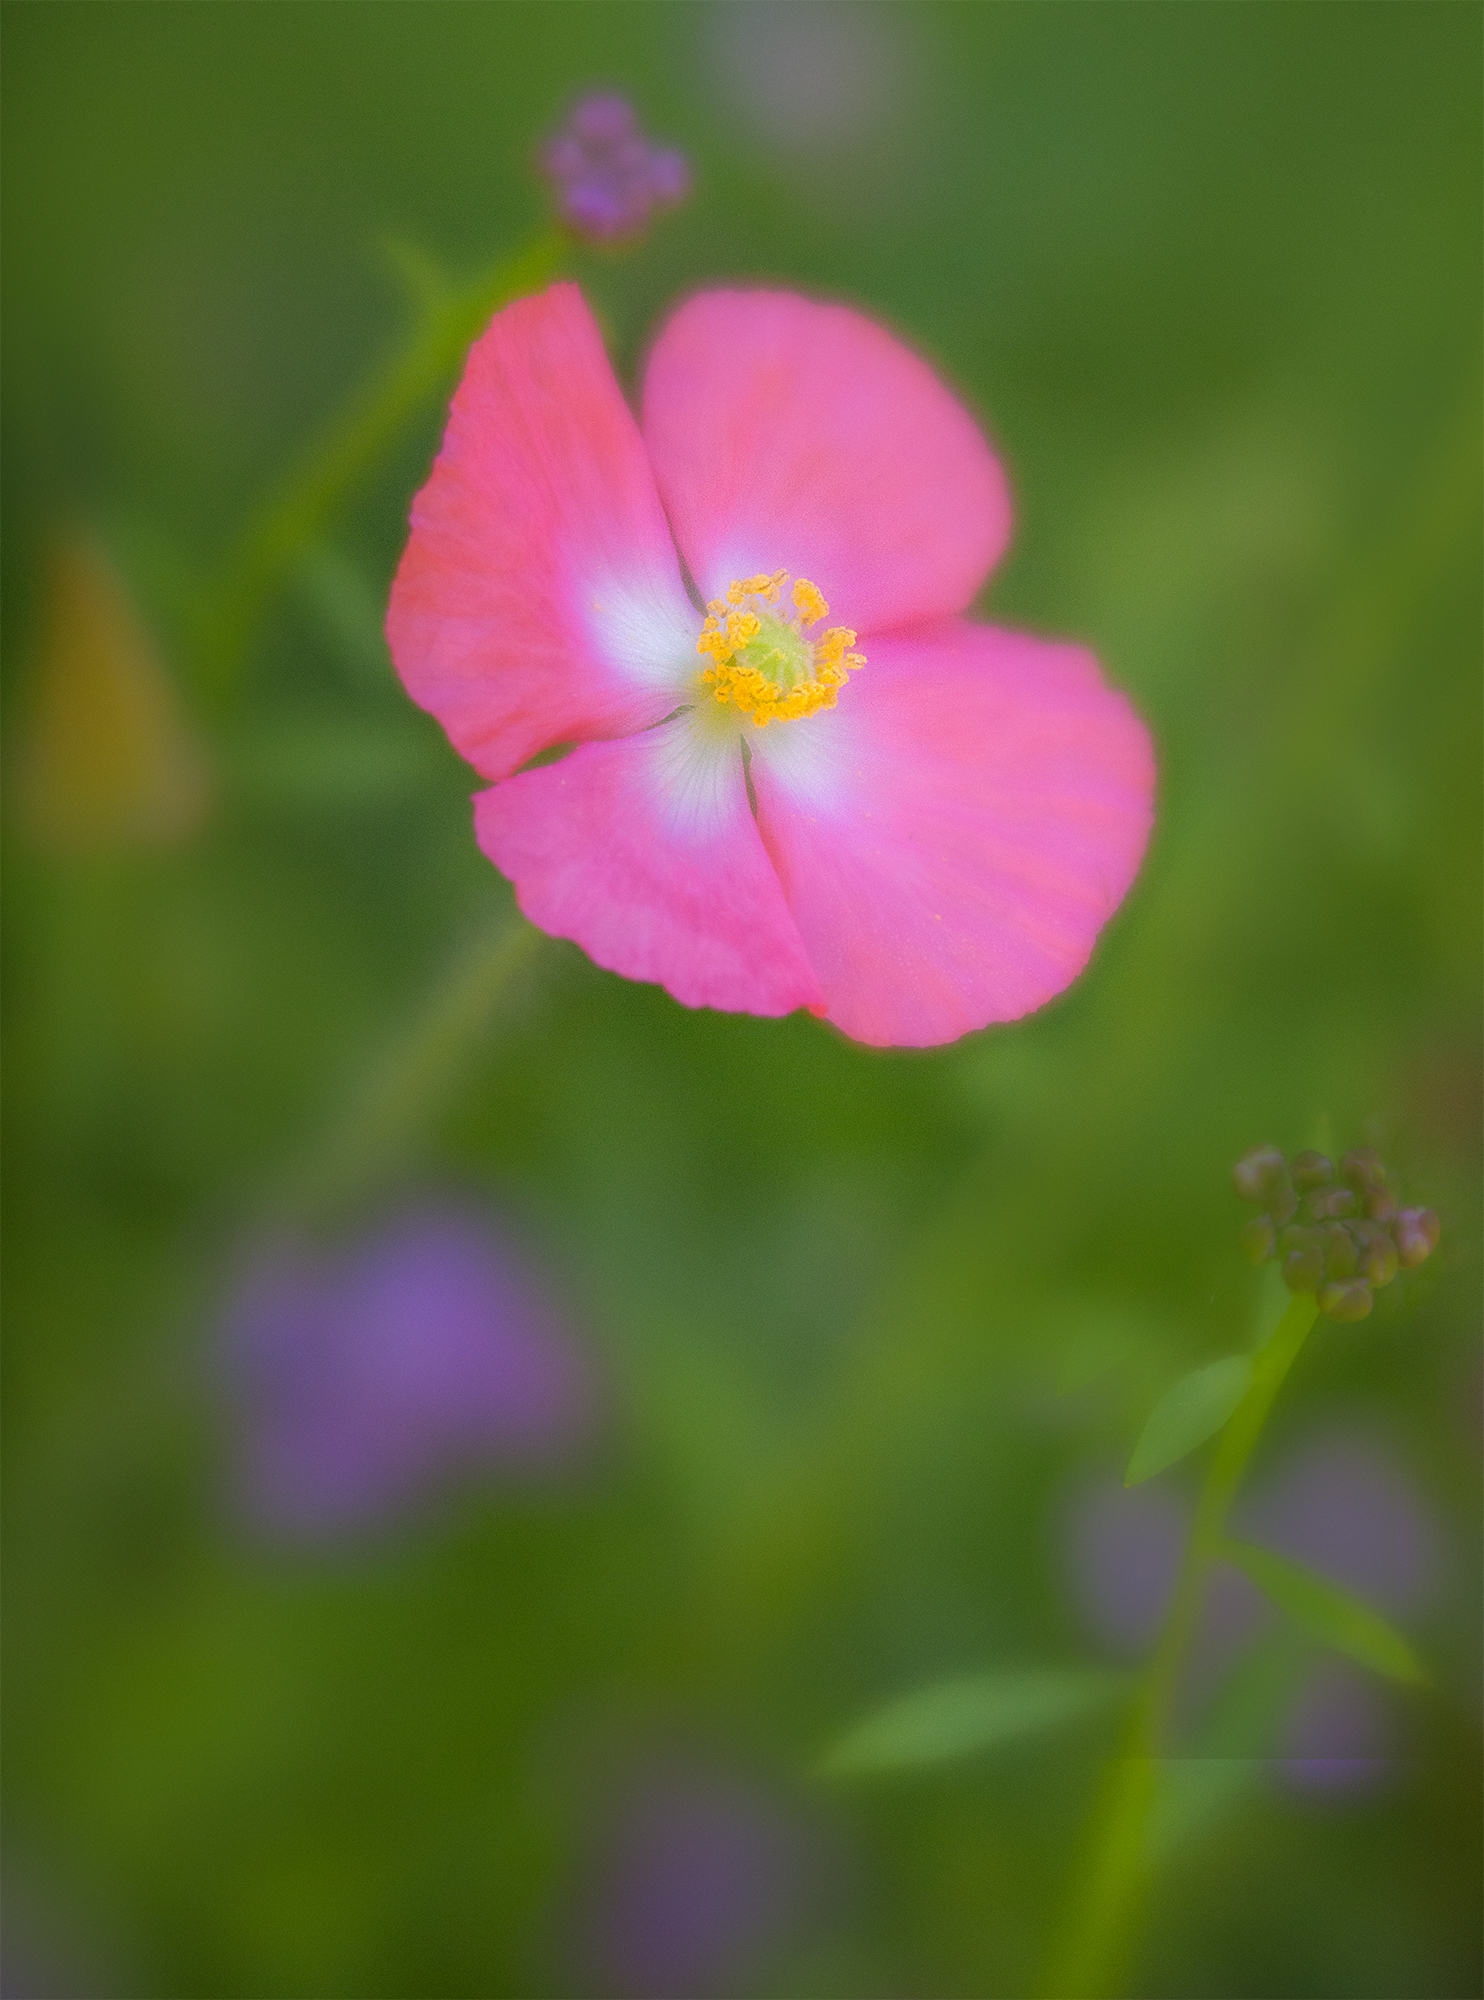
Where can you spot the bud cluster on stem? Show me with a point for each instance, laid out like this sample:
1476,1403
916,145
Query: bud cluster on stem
1340,1234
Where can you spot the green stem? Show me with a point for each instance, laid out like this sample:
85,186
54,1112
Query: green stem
380,1122
292,517
1101,1924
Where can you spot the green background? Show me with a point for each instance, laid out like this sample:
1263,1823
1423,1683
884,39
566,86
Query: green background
1209,275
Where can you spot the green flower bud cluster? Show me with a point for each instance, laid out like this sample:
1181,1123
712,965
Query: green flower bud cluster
1340,1234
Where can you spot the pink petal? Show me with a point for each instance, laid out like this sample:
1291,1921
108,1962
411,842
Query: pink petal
786,434
539,600
953,836
645,852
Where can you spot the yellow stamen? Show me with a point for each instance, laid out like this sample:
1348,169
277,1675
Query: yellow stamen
809,600
761,661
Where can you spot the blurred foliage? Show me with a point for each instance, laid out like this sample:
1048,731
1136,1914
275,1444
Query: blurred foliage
1210,276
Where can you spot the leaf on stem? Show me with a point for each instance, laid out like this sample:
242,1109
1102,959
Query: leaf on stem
1186,1415
1329,1613
970,1713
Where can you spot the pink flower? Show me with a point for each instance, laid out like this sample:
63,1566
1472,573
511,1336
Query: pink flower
911,844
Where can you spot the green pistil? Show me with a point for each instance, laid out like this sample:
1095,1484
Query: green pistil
778,652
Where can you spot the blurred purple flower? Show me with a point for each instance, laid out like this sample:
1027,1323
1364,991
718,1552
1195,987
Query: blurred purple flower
608,179
1344,1506
1336,1737
363,1376
702,1877
1124,1545
1341,1504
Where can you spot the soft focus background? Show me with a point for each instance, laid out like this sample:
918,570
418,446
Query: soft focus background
457,1603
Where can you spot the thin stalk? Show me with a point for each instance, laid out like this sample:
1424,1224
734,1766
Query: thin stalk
384,1117
290,518
1100,1927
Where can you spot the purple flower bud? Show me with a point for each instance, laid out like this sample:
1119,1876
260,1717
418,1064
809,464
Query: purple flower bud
1258,1238
1363,1169
1348,1300
1380,1205
607,178
604,119
1341,1258
363,1377
1329,1206
669,177
1303,1270
1378,1261
1312,1170
1417,1231
1263,1168
596,209
563,159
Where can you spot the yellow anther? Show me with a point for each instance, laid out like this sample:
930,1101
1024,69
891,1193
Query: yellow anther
755,586
760,661
715,643
810,600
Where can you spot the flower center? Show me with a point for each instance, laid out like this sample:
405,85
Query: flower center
761,659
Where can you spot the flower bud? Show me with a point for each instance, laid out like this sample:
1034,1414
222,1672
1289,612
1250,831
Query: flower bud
604,119
1258,1238
607,178
1378,1261
1341,1241
1417,1231
1346,1301
1332,1204
1257,1171
1363,1169
1341,1259
1296,1237
1303,1270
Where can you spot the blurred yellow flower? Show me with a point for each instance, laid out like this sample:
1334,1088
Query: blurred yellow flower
107,759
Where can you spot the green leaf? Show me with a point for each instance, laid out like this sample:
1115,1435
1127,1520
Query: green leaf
1328,1612
1185,1416
973,1712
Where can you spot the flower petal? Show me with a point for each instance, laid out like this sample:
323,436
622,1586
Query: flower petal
953,836
539,600
786,434
645,852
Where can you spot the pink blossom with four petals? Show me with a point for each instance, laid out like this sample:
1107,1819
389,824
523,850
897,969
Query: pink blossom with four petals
934,848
